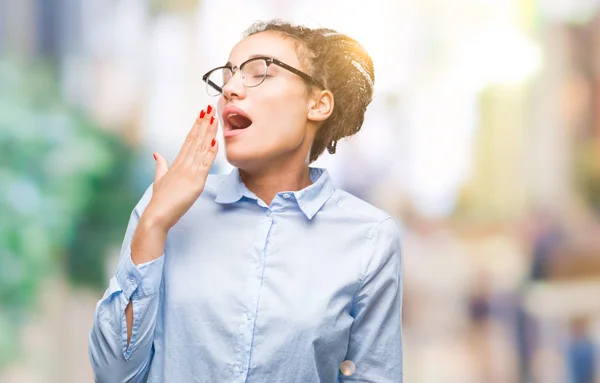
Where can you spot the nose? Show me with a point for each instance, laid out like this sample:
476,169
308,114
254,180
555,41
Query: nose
234,87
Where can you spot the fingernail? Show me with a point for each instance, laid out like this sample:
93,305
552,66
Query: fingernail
201,114
212,119
154,155
213,142
208,110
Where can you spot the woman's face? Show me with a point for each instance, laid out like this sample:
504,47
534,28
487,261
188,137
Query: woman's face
278,109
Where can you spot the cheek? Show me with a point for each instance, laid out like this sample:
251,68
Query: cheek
285,116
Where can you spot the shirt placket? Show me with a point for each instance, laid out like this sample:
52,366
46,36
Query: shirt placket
254,283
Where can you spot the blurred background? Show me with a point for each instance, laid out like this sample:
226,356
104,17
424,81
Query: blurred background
483,140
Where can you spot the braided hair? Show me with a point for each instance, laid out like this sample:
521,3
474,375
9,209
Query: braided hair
342,65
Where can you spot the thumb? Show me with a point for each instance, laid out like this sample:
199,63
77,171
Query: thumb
161,166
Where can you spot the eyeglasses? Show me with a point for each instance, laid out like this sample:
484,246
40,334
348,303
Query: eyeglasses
253,73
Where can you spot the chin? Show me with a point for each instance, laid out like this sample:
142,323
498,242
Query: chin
254,157
241,158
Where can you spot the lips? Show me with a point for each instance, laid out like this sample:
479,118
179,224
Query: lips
235,120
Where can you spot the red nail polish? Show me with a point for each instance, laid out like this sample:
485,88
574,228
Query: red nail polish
213,142
212,119
209,109
201,114
154,155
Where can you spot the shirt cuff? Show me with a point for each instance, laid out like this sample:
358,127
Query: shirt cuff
141,280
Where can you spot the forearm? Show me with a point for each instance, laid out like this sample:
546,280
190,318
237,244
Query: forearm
111,359
117,353
148,242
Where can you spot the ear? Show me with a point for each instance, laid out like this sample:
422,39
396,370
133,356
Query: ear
320,106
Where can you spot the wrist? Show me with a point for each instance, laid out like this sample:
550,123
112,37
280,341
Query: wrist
152,221
148,241
150,224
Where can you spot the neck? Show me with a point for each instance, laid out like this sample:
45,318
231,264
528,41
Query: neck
269,181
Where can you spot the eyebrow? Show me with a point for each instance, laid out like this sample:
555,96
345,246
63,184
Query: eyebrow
253,57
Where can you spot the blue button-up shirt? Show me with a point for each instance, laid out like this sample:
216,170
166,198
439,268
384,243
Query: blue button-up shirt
246,292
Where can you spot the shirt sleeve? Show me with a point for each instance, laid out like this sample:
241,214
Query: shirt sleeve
111,358
375,345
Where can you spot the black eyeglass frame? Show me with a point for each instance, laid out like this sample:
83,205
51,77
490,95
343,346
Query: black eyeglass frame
269,61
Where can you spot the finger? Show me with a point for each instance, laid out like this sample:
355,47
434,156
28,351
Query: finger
162,165
207,141
209,156
200,144
191,137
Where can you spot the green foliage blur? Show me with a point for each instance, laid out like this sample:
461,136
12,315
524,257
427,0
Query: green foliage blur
66,193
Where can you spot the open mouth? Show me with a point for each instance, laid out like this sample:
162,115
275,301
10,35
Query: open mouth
235,121
238,121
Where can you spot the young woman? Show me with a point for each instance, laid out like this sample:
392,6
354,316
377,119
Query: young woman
270,273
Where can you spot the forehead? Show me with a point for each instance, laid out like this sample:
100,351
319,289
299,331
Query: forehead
272,44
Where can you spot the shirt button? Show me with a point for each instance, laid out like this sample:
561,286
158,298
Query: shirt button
239,368
249,316
269,213
347,368
286,195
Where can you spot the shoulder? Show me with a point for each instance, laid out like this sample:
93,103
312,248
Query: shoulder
357,210
383,230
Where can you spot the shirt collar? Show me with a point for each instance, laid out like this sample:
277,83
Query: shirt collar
310,199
